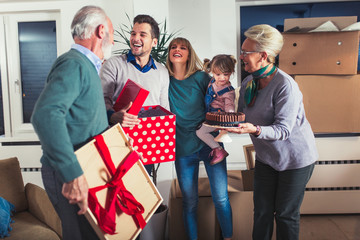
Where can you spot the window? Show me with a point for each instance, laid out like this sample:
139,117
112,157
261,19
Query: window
37,47
30,44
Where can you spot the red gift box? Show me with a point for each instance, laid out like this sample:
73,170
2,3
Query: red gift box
122,197
154,137
131,92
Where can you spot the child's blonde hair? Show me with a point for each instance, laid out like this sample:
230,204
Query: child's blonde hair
222,62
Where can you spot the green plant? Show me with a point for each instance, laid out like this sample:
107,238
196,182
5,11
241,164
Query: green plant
159,52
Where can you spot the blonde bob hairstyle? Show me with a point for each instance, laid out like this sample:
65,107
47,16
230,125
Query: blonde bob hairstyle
268,39
193,63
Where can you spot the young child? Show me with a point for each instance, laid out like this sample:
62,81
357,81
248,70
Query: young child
220,96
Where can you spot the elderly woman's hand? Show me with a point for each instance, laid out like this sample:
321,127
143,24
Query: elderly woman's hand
243,128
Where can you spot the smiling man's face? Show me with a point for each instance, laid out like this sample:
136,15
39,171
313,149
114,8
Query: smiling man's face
141,41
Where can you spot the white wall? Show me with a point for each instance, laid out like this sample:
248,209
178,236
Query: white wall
210,26
117,10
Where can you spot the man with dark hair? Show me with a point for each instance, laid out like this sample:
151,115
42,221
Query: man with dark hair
139,66
69,112
155,32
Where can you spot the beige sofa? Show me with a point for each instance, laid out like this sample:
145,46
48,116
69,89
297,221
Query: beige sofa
35,218
313,226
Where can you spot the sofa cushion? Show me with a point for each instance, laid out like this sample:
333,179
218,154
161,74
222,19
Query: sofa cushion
41,207
26,226
11,183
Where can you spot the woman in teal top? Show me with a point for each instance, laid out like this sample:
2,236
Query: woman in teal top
186,94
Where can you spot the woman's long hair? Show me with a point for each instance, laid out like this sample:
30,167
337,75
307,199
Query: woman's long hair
193,63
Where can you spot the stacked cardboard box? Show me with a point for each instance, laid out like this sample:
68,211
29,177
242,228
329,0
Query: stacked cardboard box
324,64
311,226
208,226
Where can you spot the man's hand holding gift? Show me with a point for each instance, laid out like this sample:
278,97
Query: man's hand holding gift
76,191
124,118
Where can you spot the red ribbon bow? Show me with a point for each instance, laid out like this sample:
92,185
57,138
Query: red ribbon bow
118,194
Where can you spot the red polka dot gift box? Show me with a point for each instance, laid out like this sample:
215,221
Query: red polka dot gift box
154,137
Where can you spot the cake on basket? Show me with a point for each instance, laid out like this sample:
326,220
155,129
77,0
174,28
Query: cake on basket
225,119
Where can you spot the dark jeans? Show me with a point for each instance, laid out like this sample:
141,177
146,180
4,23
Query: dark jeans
278,194
74,226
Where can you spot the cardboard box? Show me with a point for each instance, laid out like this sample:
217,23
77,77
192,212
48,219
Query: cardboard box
136,181
208,229
154,137
248,179
331,102
249,152
319,52
208,226
310,23
315,202
243,214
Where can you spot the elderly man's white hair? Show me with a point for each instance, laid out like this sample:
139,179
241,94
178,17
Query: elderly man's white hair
86,20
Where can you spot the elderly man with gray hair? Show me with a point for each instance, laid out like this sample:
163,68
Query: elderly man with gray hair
69,112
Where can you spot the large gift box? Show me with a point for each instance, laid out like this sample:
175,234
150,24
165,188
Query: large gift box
122,197
154,137
324,52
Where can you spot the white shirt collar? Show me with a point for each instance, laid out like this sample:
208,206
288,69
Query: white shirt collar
89,54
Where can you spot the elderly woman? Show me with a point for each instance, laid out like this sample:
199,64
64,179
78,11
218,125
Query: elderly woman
187,90
282,136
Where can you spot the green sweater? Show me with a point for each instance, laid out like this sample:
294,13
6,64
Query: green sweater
187,102
69,111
